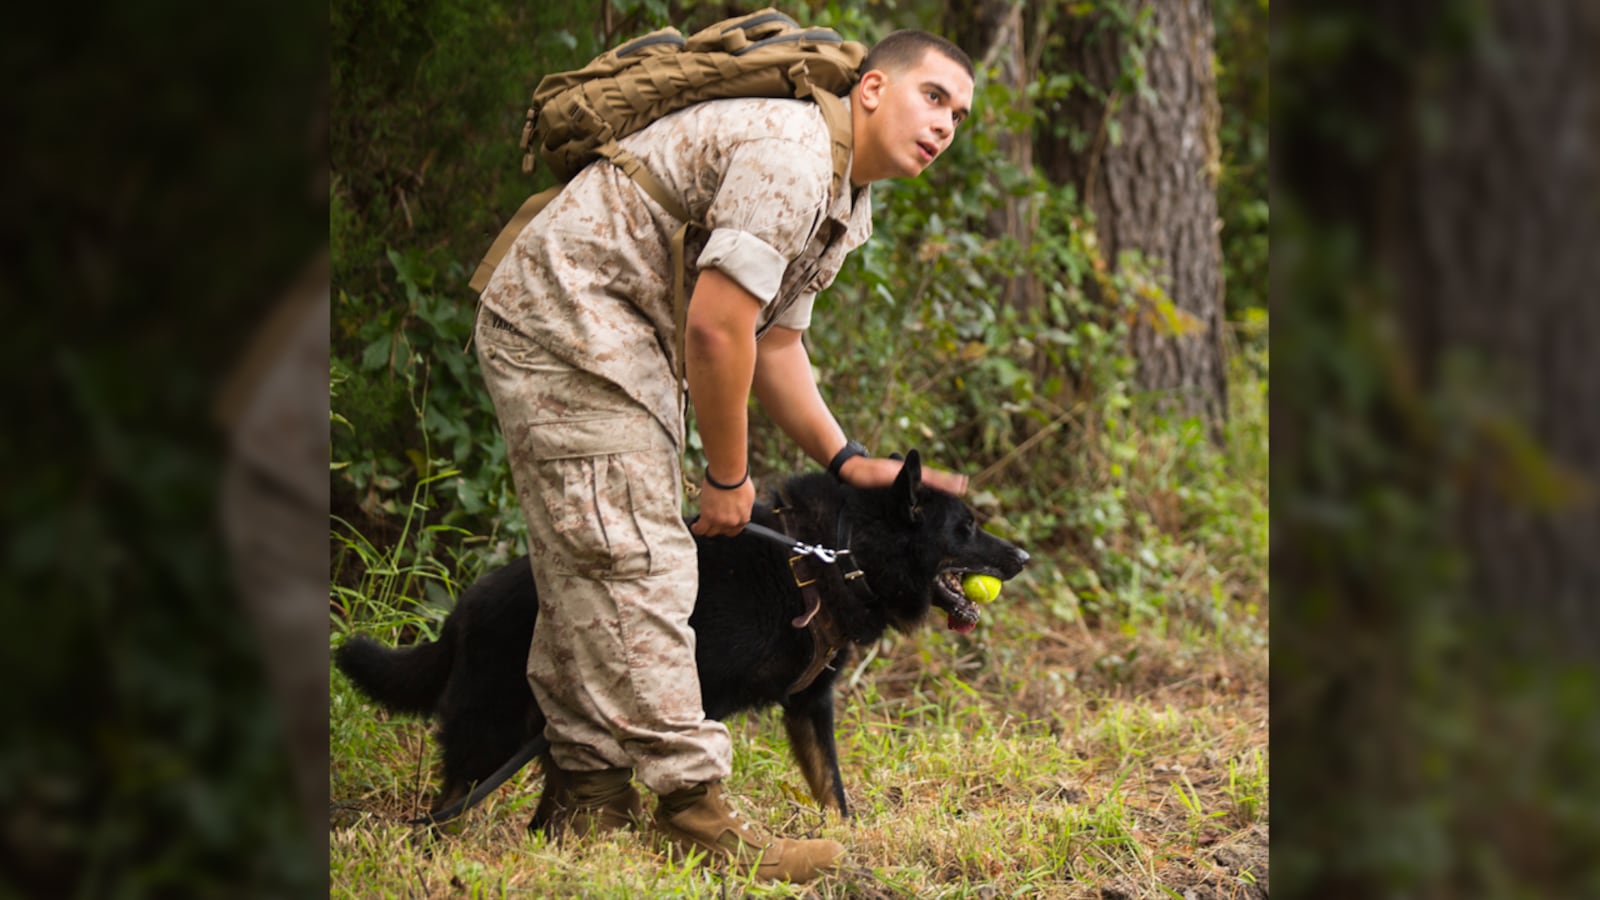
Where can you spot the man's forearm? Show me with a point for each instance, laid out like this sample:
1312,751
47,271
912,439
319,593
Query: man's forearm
788,392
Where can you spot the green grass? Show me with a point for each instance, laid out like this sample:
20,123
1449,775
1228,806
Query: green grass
962,785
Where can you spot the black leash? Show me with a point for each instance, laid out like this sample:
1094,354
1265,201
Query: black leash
825,554
511,767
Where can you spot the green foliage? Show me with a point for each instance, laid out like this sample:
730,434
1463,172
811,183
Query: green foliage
1241,45
1128,27
428,103
416,348
916,345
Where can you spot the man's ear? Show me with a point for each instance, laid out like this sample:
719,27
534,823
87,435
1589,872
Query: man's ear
906,484
869,90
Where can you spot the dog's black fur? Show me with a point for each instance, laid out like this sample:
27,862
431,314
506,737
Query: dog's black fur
912,543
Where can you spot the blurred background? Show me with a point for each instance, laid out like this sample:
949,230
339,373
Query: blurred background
1436,449
164,188
1433,427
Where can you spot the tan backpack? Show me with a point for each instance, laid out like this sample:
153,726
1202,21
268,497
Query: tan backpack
577,117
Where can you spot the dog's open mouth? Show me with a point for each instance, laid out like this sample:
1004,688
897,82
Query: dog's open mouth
961,614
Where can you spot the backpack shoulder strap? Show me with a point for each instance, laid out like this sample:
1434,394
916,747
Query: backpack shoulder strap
508,235
632,167
622,159
843,137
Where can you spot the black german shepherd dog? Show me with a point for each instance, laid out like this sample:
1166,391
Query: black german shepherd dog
773,626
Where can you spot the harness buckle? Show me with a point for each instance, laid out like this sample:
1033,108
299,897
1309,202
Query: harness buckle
796,572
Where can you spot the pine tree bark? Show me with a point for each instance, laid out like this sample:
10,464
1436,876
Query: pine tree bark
1148,172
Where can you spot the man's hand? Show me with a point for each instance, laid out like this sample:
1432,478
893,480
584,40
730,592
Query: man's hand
724,513
872,472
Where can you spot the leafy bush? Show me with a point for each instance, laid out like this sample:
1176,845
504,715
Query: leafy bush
918,344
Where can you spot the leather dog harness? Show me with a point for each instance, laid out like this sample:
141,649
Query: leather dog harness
826,638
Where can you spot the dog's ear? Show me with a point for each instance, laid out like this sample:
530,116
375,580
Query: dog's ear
906,484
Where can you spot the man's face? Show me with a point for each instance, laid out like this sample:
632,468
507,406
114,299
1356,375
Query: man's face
911,117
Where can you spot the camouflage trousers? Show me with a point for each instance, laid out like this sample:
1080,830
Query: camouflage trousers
612,659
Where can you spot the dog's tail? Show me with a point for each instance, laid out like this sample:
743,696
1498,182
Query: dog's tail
406,680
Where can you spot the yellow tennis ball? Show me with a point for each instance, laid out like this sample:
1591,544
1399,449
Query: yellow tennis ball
980,588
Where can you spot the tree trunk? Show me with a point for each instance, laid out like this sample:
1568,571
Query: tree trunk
1146,167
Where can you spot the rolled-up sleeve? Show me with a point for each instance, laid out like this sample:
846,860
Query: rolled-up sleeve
798,315
755,264
773,194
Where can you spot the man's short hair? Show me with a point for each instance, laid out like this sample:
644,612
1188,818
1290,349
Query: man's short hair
904,49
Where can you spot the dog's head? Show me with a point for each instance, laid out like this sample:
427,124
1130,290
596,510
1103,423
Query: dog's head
916,543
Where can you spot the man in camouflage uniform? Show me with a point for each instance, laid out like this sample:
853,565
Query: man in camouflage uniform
576,337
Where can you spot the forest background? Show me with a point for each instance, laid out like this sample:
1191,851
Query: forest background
1029,305
1070,307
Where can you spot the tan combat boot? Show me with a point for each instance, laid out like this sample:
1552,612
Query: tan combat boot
699,818
584,804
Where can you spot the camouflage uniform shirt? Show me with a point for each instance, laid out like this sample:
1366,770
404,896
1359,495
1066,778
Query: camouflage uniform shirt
590,278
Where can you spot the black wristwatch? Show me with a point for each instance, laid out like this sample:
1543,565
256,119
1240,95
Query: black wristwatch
851,450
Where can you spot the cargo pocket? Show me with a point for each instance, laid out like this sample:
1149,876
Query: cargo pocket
598,492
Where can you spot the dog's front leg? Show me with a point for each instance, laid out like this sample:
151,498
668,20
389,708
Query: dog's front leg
808,719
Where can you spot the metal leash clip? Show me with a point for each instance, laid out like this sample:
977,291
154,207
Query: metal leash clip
825,554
